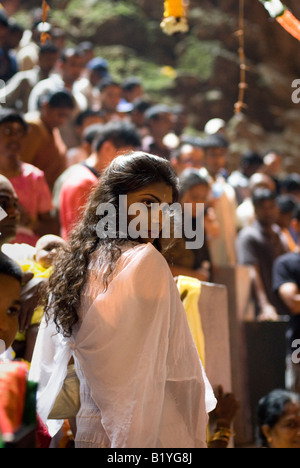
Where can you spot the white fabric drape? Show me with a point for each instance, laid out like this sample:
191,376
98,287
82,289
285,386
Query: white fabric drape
137,355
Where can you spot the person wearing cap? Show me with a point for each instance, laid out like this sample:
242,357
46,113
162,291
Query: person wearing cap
97,69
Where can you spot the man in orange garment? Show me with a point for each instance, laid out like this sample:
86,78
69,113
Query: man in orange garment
43,145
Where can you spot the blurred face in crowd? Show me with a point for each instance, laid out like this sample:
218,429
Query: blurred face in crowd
11,139
284,220
197,194
9,203
162,124
215,159
3,32
267,212
55,116
47,61
110,97
10,308
135,92
72,68
190,156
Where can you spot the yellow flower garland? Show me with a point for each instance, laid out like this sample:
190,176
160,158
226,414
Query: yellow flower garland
174,17
173,8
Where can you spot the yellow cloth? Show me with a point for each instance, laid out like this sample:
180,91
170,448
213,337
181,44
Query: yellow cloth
289,239
190,289
38,272
36,269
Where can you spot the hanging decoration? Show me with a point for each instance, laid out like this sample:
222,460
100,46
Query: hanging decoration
283,16
44,35
175,20
240,104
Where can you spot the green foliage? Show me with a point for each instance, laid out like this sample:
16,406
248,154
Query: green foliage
82,20
197,57
90,14
123,62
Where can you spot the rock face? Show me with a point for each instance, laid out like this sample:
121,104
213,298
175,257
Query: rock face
206,62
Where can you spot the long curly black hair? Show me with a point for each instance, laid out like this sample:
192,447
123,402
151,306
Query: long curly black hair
127,173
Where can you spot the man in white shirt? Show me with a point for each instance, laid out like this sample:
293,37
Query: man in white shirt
71,65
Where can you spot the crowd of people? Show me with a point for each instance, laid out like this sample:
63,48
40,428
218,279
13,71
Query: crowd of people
73,137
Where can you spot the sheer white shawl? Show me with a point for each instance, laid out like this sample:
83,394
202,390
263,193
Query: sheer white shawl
137,354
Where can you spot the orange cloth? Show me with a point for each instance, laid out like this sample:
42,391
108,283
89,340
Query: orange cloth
290,23
13,377
44,149
289,239
73,197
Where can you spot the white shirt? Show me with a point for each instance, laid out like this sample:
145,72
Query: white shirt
142,382
52,84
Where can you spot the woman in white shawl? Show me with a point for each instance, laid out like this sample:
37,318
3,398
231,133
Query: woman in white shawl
115,308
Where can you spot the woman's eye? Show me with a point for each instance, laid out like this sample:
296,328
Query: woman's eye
13,311
148,203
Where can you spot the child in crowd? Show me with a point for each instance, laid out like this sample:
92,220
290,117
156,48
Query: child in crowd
11,278
40,267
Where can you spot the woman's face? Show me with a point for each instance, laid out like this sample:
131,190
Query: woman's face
286,432
146,218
